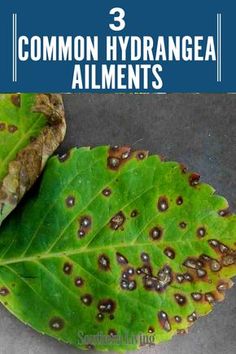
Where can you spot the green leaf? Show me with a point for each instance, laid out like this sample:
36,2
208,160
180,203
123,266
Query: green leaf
31,128
116,243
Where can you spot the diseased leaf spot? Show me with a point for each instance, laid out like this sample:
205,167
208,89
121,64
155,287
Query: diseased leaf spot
121,259
100,317
107,306
156,233
90,347
179,200
182,225
162,204
70,201
180,299
183,168
222,286
178,319
229,260
201,231
79,282
117,221
209,297
194,179
104,262
56,323
151,329
112,332
196,296
169,252
215,265
141,155
201,273
67,268
2,126
12,128
106,192
16,99
113,162
64,157
128,285
117,156
164,321
144,257
181,331
86,299
85,225
4,291
224,212
134,213
192,317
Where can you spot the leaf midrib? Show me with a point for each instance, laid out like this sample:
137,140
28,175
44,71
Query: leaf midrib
62,254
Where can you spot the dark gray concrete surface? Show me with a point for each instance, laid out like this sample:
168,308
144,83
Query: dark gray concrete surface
199,130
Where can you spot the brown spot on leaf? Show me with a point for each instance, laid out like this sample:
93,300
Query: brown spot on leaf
67,268
162,204
106,306
106,192
12,128
169,252
85,225
201,231
70,201
90,347
196,296
117,156
151,329
100,317
209,297
134,213
79,282
86,299
178,319
2,126
183,168
117,221
16,99
215,265
156,233
140,155
180,299
229,259
179,200
222,286
182,225
104,262
192,317
224,212
121,259
4,291
56,323
194,179
164,321
64,157
112,332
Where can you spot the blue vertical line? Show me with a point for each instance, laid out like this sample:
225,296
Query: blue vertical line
219,63
13,47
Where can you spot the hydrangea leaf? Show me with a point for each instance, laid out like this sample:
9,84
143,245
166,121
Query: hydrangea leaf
116,244
31,128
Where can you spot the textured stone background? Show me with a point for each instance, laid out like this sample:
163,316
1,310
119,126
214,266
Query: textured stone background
199,130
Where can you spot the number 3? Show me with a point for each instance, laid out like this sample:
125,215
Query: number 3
119,19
